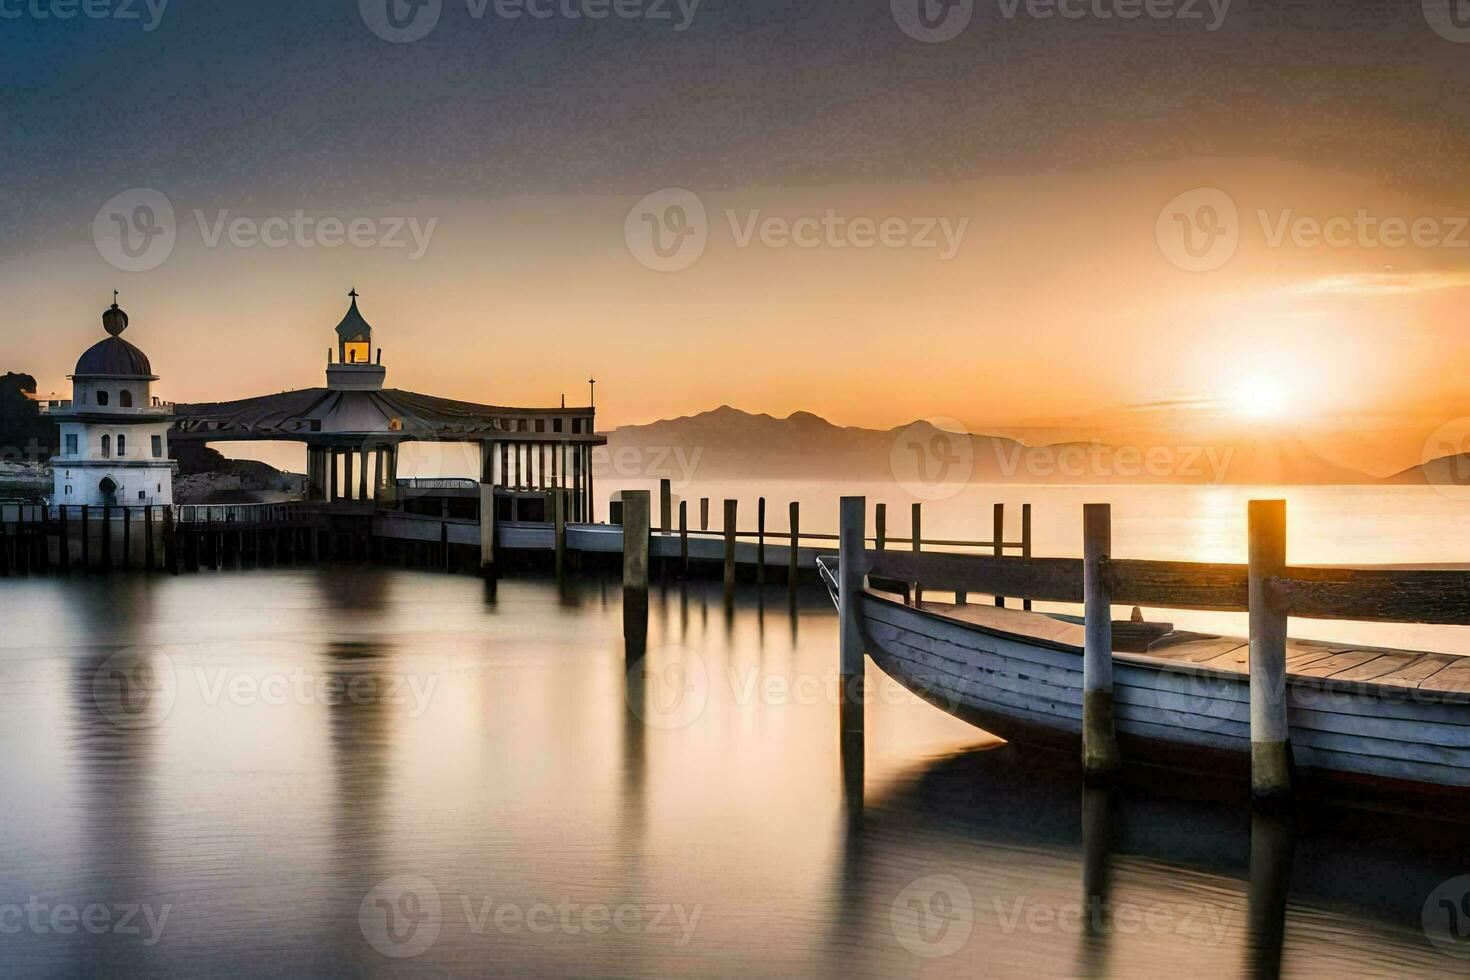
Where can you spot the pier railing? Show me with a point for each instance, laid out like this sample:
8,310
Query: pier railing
1266,588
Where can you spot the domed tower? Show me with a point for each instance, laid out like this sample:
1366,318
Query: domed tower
355,369
114,434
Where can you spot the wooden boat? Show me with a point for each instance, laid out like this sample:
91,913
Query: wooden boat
1356,714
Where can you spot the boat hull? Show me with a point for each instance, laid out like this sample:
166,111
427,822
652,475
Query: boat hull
1026,689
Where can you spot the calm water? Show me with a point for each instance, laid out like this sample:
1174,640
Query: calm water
354,770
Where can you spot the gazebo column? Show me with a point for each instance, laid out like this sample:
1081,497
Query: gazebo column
347,455
504,465
362,476
591,493
390,476
331,459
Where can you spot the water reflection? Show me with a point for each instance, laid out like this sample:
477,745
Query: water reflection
818,836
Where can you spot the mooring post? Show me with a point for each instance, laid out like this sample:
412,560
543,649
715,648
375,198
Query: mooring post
1099,739
149,555
127,561
918,526
487,528
760,541
1270,733
636,519
730,532
793,566
851,566
444,544
880,526
704,513
1026,542
5,546
998,541
684,538
559,529
86,538
107,538
65,549
170,542
665,505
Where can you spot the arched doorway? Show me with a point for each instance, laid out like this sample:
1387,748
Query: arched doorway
109,491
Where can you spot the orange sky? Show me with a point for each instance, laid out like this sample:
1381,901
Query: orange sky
1059,310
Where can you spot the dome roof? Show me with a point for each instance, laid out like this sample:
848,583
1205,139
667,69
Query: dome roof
113,357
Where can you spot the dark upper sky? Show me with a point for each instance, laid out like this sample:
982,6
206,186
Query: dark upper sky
284,100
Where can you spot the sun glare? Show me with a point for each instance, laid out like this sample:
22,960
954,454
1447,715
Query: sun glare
1259,398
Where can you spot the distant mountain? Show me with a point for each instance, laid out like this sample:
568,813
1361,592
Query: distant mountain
731,444
1446,471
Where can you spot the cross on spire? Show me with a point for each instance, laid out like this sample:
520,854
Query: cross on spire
353,294
114,297
592,384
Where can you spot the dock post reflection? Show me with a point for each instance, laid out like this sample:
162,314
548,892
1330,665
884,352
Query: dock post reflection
1272,847
1098,807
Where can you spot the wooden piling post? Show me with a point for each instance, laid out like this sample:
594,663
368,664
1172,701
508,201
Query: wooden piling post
665,505
704,513
559,529
793,567
170,542
636,520
86,537
1099,739
918,526
127,558
684,537
760,541
998,541
731,507
5,546
487,528
65,550
107,538
1026,542
1270,734
149,556
444,545
880,526
851,567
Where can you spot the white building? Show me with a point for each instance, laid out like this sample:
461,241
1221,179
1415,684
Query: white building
114,433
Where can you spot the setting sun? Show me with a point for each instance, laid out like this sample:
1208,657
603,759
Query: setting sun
1259,398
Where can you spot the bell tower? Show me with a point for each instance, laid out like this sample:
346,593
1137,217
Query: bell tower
354,368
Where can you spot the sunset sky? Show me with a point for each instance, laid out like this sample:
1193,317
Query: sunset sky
1066,154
